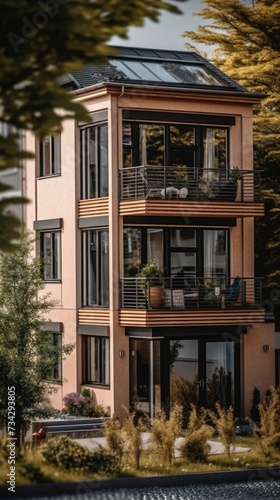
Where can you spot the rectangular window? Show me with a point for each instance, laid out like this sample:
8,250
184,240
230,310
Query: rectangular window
184,146
50,156
95,264
51,255
215,253
55,373
96,360
94,151
181,251
132,252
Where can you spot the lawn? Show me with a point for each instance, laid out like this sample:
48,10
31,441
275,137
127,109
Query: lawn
32,468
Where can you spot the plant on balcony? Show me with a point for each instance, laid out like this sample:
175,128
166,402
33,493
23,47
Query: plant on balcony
235,174
180,179
151,275
226,190
152,272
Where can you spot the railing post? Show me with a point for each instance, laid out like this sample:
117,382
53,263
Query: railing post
242,187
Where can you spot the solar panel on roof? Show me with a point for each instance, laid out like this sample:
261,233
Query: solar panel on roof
147,53
167,54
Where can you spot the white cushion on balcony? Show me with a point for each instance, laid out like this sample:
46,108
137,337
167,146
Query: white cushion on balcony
183,193
178,300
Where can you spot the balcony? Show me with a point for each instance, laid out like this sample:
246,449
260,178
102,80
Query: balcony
191,301
158,190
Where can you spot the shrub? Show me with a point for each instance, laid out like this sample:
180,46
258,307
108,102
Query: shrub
165,432
86,392
32,471
72,402
224,421
195,447
115,437
183,393
269,429
81,405
255,414
133,433
64,452
102,461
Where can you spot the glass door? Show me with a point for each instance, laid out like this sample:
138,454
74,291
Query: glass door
216,374
145,382
183,372
202,373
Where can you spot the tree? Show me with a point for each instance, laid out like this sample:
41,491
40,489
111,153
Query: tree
246,37
41,40
26,352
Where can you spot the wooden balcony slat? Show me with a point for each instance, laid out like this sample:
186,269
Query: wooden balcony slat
93,207
190,208
199,317
94,316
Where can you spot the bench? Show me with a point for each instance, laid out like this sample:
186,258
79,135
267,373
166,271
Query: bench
74,428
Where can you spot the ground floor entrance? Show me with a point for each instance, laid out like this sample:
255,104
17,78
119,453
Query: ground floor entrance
169,371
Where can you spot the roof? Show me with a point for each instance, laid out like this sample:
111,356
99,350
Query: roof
156,67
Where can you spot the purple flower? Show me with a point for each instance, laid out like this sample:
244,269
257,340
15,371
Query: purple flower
72,397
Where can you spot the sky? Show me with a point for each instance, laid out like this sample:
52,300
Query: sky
166,34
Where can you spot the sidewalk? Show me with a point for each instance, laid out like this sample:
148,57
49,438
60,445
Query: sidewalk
216,448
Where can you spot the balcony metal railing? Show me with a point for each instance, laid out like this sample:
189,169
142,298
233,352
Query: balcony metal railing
184,183
191,293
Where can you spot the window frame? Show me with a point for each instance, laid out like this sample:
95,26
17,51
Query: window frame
54,167
102,287
94,189
55,256
101,364
168,248
56,339
132,153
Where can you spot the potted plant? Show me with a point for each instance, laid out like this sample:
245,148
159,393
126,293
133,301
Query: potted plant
230,186
235,174
152,280
226,190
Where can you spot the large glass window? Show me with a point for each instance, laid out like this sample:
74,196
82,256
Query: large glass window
183,146
151,144
95,268
94,141
214,150
215,253
155,245
132,251
182,251
51,255
50,161
96,360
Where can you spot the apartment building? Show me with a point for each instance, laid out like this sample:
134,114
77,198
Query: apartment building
161,174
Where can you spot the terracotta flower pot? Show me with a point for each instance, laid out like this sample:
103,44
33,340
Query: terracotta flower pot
155,296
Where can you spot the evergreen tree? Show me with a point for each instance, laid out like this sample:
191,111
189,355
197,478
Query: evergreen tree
247,41
26,352
40,41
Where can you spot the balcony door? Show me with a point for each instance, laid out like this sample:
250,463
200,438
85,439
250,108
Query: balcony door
182,371
202,372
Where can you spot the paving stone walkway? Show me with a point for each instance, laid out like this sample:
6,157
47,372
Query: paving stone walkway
216,448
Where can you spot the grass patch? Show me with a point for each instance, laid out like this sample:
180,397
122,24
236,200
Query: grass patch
32,468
